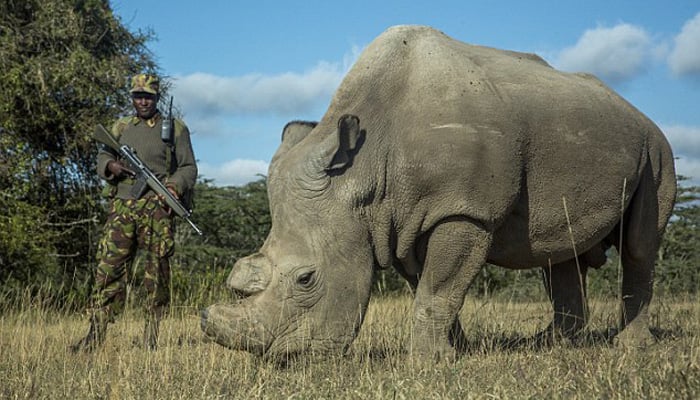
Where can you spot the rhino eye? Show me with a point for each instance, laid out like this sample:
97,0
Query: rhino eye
306,278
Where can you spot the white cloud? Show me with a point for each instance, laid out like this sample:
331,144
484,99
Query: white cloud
612,54
690,168
685,56
243,107
233,173
284,94
198,123
685,142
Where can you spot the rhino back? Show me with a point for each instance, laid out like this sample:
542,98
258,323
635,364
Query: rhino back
497,136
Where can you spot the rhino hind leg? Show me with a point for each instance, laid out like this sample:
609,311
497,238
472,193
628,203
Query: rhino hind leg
457,338
640,243
456,251
565,284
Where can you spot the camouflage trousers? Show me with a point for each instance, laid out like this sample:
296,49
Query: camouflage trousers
133,225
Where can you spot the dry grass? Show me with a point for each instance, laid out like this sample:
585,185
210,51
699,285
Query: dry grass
34,362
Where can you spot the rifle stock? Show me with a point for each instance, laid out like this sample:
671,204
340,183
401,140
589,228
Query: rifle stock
144,176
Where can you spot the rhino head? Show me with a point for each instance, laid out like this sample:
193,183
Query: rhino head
307,288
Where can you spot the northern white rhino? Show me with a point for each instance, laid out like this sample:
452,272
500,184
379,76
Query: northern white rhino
436,157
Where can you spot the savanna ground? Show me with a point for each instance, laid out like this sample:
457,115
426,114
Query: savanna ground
35,363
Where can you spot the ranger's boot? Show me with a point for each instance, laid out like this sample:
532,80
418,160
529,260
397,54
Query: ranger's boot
94,338
150,333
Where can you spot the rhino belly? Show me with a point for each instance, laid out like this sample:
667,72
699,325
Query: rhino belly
553,233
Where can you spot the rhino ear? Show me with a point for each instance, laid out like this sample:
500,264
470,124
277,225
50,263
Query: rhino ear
341,146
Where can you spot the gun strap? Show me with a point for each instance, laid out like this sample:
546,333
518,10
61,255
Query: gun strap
170,159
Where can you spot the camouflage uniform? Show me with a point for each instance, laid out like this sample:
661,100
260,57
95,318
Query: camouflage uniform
131,223
138,223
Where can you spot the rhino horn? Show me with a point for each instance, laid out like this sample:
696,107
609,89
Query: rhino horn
293,133
250,274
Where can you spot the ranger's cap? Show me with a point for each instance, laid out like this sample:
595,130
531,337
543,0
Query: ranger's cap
145,83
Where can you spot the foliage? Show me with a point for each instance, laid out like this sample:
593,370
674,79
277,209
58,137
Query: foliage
679,256
235,221
63,69
21,261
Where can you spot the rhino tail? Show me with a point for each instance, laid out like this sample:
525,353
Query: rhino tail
663,169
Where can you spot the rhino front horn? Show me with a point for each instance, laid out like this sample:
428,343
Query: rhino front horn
250,274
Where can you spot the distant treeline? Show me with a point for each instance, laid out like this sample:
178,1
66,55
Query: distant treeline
236,221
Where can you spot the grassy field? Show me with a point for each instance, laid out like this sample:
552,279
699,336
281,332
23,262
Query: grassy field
35,364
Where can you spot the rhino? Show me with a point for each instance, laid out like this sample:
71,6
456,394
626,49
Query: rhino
436,157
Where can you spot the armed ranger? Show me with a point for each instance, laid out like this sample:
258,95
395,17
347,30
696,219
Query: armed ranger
145,178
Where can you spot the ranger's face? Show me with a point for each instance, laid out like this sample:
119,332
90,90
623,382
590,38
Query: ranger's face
144,104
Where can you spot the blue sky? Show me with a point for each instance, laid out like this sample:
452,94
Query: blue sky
243,69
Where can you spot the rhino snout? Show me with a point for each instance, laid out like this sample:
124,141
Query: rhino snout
235,327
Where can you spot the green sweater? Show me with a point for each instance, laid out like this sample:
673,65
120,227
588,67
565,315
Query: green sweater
150,148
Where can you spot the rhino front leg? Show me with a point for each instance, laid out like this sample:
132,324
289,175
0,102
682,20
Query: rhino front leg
457,249
457,338
566,286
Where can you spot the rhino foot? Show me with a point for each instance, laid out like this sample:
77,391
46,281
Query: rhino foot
634,337
552,336
431,352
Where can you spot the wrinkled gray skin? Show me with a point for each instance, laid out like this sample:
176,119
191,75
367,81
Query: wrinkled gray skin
435,157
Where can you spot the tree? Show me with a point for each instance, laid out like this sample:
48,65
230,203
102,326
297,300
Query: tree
679,256
63,69
235,222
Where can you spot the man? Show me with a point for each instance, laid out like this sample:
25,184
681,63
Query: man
139,221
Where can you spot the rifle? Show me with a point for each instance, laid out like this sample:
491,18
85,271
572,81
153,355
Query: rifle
144,176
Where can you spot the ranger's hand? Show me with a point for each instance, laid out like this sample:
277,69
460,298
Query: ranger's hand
172,191
119,170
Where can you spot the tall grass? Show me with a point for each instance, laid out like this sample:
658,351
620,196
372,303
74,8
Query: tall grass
501,363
